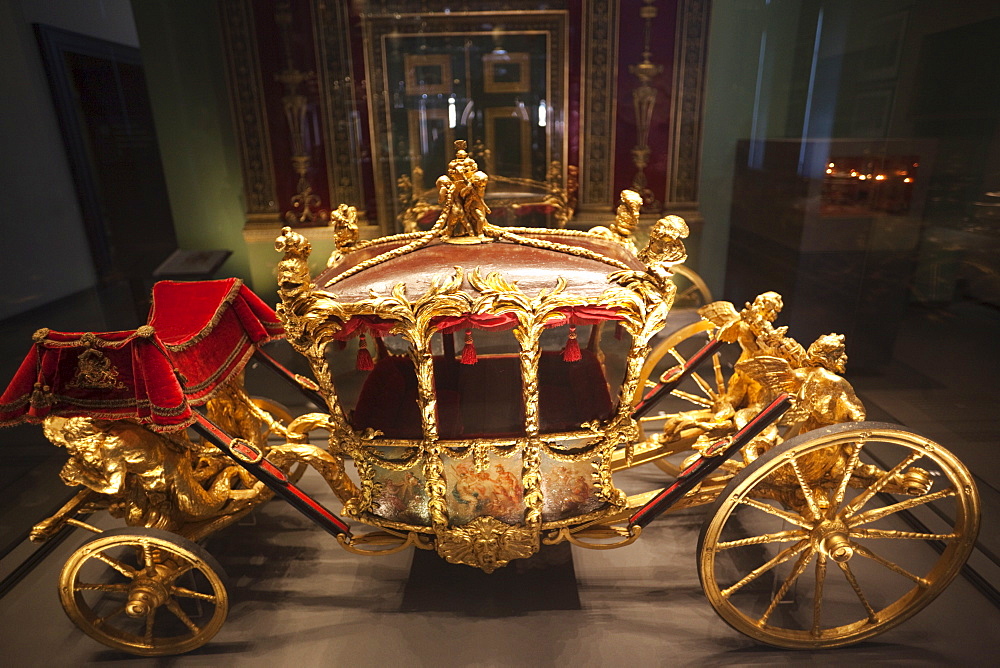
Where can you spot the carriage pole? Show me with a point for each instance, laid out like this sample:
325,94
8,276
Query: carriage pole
252,459
711,459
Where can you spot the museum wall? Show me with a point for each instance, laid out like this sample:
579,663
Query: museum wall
746,95
46,255
318,55
185,73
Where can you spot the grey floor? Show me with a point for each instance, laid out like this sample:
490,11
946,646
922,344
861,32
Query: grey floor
297,598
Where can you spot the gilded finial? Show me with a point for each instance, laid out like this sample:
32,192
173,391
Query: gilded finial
462,196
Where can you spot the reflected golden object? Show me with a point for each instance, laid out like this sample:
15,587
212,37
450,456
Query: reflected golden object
808,492
626,220
770,362
462,196
163,480
514,197
487,544
150,479
665,245
345,224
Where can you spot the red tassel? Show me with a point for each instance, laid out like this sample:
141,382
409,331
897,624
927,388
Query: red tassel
469,351
571,353
364,357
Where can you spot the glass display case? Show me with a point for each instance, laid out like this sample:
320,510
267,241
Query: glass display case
564,105
498,82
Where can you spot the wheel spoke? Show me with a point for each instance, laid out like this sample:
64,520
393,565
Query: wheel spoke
720,382
120,588
114,613
147,612
872,616
776,560
693,398
807,492
119,566
702,384
879,513
175,608
791,518
893,533
184,567
150,619
800,566
147,554
858,502
189,593
852,463
895,568
818,595
777,537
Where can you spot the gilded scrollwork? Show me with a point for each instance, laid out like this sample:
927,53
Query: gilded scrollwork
151,479
639,300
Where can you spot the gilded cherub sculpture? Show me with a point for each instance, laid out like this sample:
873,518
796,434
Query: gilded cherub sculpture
626,220
462,196
345,231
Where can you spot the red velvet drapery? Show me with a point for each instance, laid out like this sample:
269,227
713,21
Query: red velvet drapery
198,335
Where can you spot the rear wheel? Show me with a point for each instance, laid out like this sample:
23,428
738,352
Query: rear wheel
145,591
837,535
692,291
693,403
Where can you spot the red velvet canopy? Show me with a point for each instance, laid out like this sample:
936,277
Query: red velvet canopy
198,335
209,329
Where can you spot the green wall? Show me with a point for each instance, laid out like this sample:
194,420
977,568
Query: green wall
749,74
185,71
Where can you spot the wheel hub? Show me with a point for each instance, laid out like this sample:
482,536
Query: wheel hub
832,538
917,481
145,596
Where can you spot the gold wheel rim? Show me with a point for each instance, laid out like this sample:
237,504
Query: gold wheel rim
146,576
663,349
821,544
694,295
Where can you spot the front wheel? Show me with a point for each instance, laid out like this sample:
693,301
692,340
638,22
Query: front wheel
837,535
144,591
